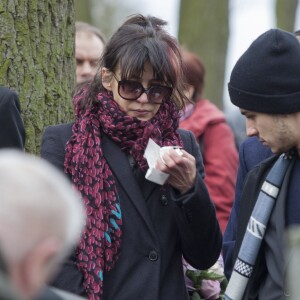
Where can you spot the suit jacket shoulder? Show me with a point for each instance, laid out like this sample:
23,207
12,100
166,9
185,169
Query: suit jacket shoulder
12,131
53,143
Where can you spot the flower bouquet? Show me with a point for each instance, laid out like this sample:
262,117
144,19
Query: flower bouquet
206,284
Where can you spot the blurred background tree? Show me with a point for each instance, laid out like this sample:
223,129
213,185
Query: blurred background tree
83,11
37,61
107,15
204,29
286,14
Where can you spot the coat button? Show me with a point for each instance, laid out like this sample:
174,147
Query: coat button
153,256
164,200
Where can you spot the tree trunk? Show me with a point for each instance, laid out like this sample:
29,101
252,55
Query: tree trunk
204,30
37,61
286,14
83,11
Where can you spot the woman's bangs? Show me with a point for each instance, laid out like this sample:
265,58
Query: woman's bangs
164,67
132,65
164,70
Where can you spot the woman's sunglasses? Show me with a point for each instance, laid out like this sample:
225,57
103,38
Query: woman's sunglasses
132,90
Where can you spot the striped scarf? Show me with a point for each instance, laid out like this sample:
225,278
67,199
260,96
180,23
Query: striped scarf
256,227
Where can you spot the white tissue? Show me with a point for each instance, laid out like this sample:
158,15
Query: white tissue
152,153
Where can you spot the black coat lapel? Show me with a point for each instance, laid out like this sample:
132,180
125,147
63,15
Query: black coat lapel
118,161
145,185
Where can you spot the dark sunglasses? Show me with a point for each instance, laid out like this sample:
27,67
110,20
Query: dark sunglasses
132,90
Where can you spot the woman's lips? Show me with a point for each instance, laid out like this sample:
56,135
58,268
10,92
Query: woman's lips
141,112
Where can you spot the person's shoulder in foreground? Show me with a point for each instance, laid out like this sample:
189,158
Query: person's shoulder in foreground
51,293
12,131
44,215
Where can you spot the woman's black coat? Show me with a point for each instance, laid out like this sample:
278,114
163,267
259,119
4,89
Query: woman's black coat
158,227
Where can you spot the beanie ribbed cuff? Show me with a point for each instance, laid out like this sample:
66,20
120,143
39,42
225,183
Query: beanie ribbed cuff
261,103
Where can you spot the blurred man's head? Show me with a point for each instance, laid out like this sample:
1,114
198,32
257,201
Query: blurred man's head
41,218
265,85
89,44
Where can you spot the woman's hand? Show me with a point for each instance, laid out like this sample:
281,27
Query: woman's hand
181,168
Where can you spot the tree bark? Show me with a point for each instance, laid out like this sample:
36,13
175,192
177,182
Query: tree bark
37,61
204,29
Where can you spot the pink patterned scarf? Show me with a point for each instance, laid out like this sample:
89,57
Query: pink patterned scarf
84,161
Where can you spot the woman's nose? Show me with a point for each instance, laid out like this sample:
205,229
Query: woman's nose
143,98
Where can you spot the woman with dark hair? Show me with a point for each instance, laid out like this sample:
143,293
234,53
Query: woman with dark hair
214,136
137,231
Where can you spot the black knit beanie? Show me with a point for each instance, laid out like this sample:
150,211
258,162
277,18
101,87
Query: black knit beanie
266,78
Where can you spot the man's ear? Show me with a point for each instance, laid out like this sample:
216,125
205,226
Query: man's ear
106,78
37,266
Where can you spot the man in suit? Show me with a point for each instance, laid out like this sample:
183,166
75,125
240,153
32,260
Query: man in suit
41,219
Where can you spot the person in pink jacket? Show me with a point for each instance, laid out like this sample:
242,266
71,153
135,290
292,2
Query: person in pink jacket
214,136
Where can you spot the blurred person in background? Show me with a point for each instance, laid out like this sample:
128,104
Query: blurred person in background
214,136
89,45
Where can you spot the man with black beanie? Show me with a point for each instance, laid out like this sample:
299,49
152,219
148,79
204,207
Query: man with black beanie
265,85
